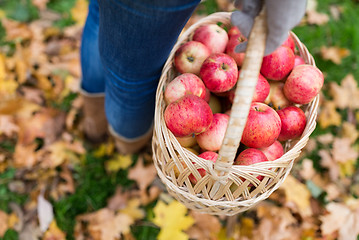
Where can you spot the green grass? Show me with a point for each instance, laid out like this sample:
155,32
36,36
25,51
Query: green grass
94,187
340,33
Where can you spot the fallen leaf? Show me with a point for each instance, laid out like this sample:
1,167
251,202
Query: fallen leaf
328,115
119,161
25,156
314,17
275,223
79,12
54,232
297,193
349,131
343,150
16,30
104,224
307,170
172,219
8,127
341,218
205,226
118,200
143,175
345,95
40,4
327,161
44,212
334,54
133,209
3,223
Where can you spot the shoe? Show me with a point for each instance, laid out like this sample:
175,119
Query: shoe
130,146
95,122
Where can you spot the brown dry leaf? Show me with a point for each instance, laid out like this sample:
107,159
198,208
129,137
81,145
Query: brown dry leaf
307,171
40,4
336,11
347,94
133,209
25,155
8,127
54,232
15,30
118,200
298,194
328,115
47,123
206,226
3,223
334,54
104,224
327,161
143,175
275,223
314,17
325,139
342,218
343,150
349,131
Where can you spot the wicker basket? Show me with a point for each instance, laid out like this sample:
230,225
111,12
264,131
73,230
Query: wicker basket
213,193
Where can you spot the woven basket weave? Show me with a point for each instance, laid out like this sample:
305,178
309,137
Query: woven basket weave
213,193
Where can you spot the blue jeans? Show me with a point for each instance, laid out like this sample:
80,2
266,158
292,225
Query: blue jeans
125,44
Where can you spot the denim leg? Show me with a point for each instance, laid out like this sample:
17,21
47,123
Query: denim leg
93,77
135,39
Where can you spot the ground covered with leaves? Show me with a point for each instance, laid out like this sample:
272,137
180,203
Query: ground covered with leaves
56,185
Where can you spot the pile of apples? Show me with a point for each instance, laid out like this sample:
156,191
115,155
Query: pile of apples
198,100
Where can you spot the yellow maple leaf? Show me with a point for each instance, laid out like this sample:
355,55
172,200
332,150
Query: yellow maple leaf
119,161
54,232
329,116
79,12
133,209
296,192
105,149
172,219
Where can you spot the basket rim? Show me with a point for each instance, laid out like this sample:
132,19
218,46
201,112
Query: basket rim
292,148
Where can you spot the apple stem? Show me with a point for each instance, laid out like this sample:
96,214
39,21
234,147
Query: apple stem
256,108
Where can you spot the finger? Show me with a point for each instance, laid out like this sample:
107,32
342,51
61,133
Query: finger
243,21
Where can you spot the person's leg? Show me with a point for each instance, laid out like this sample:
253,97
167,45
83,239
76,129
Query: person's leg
135,39
93,78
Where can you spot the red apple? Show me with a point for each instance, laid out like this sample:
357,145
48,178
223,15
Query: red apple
250,156
293,123
278,64
190,56
186,83
188,115
303,84
209,156
289,42
276,97
262,127
233,41
213,36
234,31
212,138
219,72
274,151
298,60
207,97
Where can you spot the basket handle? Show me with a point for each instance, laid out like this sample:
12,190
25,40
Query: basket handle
243,97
